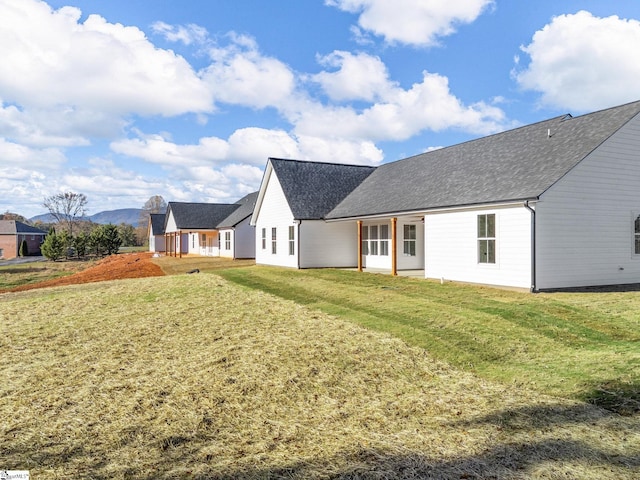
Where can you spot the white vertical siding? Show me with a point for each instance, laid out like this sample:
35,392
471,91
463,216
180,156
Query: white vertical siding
585,221
406,262
375,261
245,240
325,244
156,243
451,247
224,251
274,213
171,224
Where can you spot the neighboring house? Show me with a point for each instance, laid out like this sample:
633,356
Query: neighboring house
13,233
192,228
555,204
237,235
293,200
156,232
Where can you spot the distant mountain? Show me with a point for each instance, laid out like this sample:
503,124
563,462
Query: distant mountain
116,217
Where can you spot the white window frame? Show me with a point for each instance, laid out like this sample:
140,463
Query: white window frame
373,239
227,241
487,238
264,239
292,240
409,237
365,240
274,240
384,240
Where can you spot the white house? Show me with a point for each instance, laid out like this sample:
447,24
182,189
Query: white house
156,232
192,228
288,217
237,235
551,205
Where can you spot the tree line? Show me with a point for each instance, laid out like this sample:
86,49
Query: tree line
73,236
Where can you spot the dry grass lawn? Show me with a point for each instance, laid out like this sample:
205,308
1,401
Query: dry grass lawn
189,376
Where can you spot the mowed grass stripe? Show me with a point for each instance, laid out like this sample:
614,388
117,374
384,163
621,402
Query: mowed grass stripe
545,341
191,376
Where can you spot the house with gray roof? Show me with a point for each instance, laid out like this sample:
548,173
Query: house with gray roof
155,232
237,235
555,204
13,233
293,199
192,228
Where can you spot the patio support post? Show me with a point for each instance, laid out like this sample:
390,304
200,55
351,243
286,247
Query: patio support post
180,238
359,222
394,247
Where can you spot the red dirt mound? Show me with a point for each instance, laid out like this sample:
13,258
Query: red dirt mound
113,267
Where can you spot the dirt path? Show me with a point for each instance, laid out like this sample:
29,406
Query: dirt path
114,267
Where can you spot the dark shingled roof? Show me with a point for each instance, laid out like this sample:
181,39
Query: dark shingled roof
200,216
519,164
13,227
157,223
246,209
312,189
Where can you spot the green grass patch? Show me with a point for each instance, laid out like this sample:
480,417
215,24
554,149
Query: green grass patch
29,273
569,345
192,376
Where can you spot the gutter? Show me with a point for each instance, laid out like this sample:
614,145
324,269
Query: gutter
534,288
298,243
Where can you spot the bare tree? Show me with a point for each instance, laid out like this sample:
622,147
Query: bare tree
67,208
155,204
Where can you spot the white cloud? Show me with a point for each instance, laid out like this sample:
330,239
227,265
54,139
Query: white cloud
241,75
255,145
62,126
340,151
360,77
158,150
413,22
583,62
26,159
187,34
97,65
402,114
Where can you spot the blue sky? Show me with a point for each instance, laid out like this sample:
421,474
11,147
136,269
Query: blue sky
125,99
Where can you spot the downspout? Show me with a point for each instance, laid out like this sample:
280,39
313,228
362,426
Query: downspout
298,243
359,225
534,287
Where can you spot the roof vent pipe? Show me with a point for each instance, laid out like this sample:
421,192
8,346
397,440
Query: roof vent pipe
548,133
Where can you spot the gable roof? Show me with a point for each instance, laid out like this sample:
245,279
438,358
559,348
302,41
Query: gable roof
519,164
157,223
313,189
199,216
246,209
14,227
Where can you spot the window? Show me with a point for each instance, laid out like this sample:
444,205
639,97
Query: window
292,240
487,238
384,240
227,241
636,235
365,240
274,236
409,240
193,241
373,240
203,240
264,238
